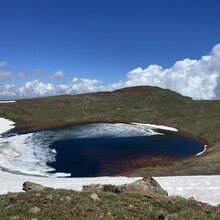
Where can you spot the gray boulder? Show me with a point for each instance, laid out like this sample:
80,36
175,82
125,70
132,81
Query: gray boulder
146,186
30,186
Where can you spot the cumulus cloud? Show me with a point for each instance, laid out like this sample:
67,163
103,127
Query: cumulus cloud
56,75
8,92
5,75
79,86
35,89
199,79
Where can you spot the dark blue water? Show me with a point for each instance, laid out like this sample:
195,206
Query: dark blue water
89,157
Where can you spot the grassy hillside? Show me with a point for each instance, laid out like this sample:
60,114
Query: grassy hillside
199,119
66,204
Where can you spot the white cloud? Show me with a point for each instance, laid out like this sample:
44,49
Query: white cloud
199,79
8,91
56,75
3,63
79,86
35,89
39,89
5,75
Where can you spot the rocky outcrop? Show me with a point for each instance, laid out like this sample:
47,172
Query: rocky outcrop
146,186
30,186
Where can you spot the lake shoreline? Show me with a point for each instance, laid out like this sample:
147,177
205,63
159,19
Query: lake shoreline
145,161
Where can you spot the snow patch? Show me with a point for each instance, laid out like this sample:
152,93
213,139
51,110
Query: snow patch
13,183
153,126
5,125
205,147
202,188
2,102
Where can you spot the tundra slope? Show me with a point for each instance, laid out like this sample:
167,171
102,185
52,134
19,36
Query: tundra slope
152,105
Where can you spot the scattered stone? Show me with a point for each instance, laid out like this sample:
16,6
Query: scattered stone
217,207
15,217
30,186
50,197
192,198
111,188
207,207
10,206
34,210
162,217
68,199
146,186
38,194
93,188
95,197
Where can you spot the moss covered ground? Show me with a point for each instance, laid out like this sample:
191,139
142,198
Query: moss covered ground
66,204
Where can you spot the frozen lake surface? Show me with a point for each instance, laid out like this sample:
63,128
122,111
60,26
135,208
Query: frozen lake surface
90,150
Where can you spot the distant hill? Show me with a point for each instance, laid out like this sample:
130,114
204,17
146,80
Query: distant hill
142,104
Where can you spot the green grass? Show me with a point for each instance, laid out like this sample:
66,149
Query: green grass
200,119
67,204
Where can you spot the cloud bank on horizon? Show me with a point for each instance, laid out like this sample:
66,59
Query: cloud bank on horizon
199,79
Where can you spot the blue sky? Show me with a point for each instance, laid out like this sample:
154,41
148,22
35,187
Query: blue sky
77,46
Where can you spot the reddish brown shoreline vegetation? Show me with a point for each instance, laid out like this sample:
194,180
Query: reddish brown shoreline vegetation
147,161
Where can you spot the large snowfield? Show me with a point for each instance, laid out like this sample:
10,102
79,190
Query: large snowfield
202,188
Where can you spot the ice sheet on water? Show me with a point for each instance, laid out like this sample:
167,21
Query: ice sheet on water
30,153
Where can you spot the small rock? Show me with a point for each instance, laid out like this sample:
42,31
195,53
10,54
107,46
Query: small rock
93,188
38,194
162,217
95,197
68,199
50,197
30,186
10,206
34,210
15,217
